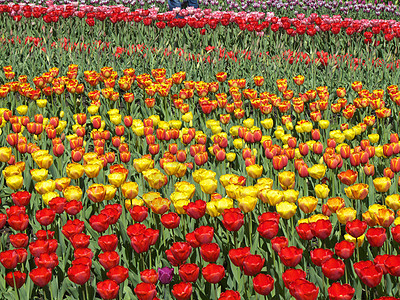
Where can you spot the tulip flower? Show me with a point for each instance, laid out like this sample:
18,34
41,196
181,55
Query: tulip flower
382,184
213,273
290,256
340,291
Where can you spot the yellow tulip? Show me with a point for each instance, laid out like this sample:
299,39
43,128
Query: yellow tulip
286,179
72,193
382,184
92,170
290,195
186,188
129,203
22,110
346,214
208,186
39,174
43,187
117,179
321,191
308,204
317,171
267,123
393,201
357,242
274,197
223,203
179,206
47,197
142,164
62,183
5,154
14,182
111,190
75,170
254,171
247,204
286,209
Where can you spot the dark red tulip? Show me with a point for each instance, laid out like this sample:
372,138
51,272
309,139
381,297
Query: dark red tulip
291,275
170,220
213,273
182,291
371,276
356,228
172,260
269,216
9,259
181,251
253,264
268,229
119,274
319,256
210,252
395,233
392,264
291,256
196,209
379,261
139,213
263,284
15,210
109,259
204,234
53,245
80,240
99,222
229,295
189,272
40,276
21,198
112,215
107,289
344,249
79,274
145,291
149,276
278,243
376,236
108,242
19,222
304,230
339,291
57,204
233,219
238,255
49,261
73,207
302,289
191,239
3,220
321,229
86,261
140,243
19,278
333,268
19,240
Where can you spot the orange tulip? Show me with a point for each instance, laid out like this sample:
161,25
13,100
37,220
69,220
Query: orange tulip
358,191
348,177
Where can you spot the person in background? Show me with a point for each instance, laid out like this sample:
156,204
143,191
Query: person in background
177,3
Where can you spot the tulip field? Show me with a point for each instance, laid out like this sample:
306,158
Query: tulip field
242,150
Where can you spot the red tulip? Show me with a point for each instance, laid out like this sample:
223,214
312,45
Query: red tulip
291,256
119,274
99,222
238,255
73,207
40,276
333,268
191,239
44,234
392,264
170,220
376,236
22,255
229,295
80,240
358,266
263,284
344,249
233,219
139,213
108,242
79,274
140,243
181,251
38,247
19,222
269,216
19,240
268,229
253,264
19,278
182,291
278,243
356,228
210,252
319,256
21,198
72,227
339,291
58,204
302,289
109,259
321,229
107,289
395,233
379,261
3,220
348,177
45,216
149,276
86,261
83,252
189,272
371,276
204,234
9,259
196,209
304,230
213,273
145,291
291,275
49,261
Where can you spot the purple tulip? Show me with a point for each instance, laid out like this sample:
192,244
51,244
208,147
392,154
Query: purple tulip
165,275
